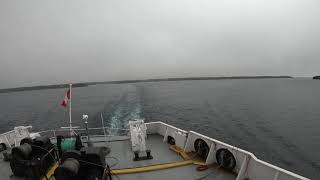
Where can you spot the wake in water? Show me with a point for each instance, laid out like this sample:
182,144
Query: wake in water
127,108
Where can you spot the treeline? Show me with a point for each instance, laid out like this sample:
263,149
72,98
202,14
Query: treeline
188,79
57,86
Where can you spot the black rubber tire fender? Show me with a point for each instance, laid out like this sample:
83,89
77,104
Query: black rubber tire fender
225,159
27,140
3,147
22,152
201,148
68,170
71,154
171,140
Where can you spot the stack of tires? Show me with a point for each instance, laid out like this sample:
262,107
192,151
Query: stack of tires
32,158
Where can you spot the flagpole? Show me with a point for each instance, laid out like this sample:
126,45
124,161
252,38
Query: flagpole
70,117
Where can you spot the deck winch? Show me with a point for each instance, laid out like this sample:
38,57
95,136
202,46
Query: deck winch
86,164
68,143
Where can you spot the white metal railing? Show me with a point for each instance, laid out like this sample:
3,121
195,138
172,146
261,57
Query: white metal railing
95,131
247,166
13,137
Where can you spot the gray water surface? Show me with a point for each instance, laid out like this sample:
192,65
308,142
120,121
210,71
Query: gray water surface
276,119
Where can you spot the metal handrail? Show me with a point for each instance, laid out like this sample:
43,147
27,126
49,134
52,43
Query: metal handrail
82,129
55,131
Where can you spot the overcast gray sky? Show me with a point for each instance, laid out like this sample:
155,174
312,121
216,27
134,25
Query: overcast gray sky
46,42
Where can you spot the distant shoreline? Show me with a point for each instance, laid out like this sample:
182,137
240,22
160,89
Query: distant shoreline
316,77
58,86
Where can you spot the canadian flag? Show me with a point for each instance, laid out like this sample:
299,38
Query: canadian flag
66,98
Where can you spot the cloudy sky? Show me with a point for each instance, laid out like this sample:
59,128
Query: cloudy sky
48,42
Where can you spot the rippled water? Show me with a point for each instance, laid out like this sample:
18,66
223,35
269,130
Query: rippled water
276,119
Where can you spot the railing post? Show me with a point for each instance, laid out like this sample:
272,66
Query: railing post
8,141
276,175
165,135
87,129
244,168
211,157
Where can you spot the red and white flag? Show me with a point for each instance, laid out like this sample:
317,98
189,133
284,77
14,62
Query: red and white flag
66,98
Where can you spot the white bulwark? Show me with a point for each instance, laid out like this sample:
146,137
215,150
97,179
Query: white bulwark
13,138
248,166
